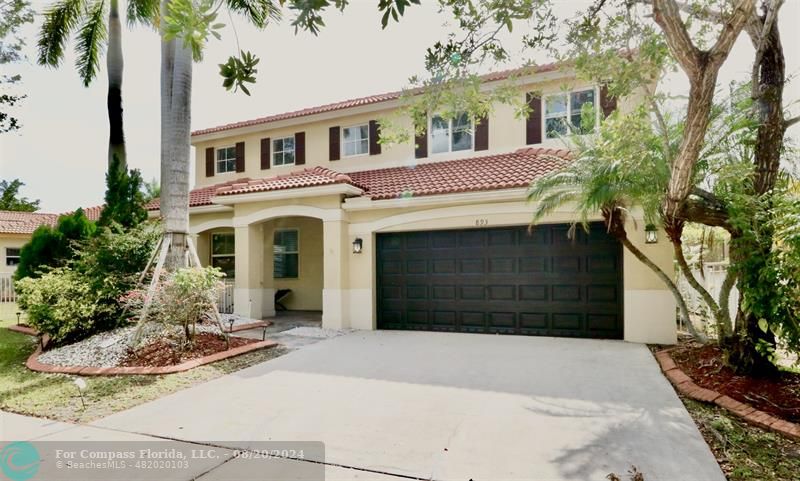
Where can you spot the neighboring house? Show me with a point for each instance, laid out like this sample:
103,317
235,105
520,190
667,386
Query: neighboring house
16,229
430,235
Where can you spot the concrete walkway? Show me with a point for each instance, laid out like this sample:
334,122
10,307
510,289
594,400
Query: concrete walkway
431,406
450,406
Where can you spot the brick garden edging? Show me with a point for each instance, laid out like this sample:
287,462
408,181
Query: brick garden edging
686,386
34,365
27,330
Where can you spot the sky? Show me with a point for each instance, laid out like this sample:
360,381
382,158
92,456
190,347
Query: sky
60,151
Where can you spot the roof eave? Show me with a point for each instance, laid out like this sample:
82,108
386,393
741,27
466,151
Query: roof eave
294,193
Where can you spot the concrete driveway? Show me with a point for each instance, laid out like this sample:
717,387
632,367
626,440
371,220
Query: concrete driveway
448,407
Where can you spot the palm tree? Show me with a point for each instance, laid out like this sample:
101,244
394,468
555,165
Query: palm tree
612,174
88,18
181,44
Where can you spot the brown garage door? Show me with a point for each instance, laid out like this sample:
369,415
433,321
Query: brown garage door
504,280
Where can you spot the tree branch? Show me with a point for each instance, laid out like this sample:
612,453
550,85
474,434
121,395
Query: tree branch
667,15
760,43
789,122
731,29
692,280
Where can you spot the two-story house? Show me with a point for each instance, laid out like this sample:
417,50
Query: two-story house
429,235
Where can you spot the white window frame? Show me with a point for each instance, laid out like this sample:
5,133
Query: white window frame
217,256
450,135
342,141
8,257
286,229
568,113
217,161
283,151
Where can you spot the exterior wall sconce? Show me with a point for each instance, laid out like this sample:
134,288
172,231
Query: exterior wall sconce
650,234
358,244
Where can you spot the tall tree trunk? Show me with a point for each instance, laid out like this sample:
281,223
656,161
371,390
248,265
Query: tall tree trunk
176,98
751,253
720,316
114,64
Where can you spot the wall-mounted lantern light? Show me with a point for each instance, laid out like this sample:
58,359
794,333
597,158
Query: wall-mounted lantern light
357,245
650,234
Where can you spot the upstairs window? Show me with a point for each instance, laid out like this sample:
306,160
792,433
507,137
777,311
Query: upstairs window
355,140
283,151
226,160
223,253
286,254
12,256
451,135
566,109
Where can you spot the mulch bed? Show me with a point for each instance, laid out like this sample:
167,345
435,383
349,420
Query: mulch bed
164,352
779,396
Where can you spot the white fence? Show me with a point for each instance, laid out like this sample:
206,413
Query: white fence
712,277
225,302
7,293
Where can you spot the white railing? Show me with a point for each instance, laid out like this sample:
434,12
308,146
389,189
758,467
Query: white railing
7,293
225,302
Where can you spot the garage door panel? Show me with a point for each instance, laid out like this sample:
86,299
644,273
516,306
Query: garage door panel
506,280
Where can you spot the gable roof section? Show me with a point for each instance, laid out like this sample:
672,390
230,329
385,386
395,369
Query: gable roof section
474,174
361,101
12,222
310,177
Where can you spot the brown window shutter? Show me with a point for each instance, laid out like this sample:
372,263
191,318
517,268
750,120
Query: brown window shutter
482,134
333,136
300,148
421,145
210,162
266,149
607,102
533,124
239,156
374,135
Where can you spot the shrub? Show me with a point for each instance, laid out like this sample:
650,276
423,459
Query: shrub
182,298
54,247
81,299
124,199
60,303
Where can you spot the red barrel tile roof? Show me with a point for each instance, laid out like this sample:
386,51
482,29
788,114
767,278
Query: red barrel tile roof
310,177
488,172
12,222
369,100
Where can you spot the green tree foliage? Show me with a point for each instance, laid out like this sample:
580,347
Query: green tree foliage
151,190
125,199
53,247
10,198
13,15
82,298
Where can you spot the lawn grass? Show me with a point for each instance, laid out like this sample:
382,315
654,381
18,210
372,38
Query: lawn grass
55,396
745,452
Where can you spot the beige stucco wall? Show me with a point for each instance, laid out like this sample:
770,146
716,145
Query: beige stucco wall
506,133
10,241
307,287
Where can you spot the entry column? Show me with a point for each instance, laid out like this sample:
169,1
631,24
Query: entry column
248,294
335,274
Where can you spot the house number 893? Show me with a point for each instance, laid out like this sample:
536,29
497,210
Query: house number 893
481,222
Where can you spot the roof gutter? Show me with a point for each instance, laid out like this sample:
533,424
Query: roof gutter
315,191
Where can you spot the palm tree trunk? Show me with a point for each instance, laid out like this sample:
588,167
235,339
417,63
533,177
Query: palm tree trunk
114,64
176,97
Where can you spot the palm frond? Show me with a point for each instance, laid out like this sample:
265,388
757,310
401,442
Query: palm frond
143,12
259,12
91,38
60,19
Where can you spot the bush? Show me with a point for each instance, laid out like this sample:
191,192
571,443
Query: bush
54,247
124,199
83,298
182,298
62,304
